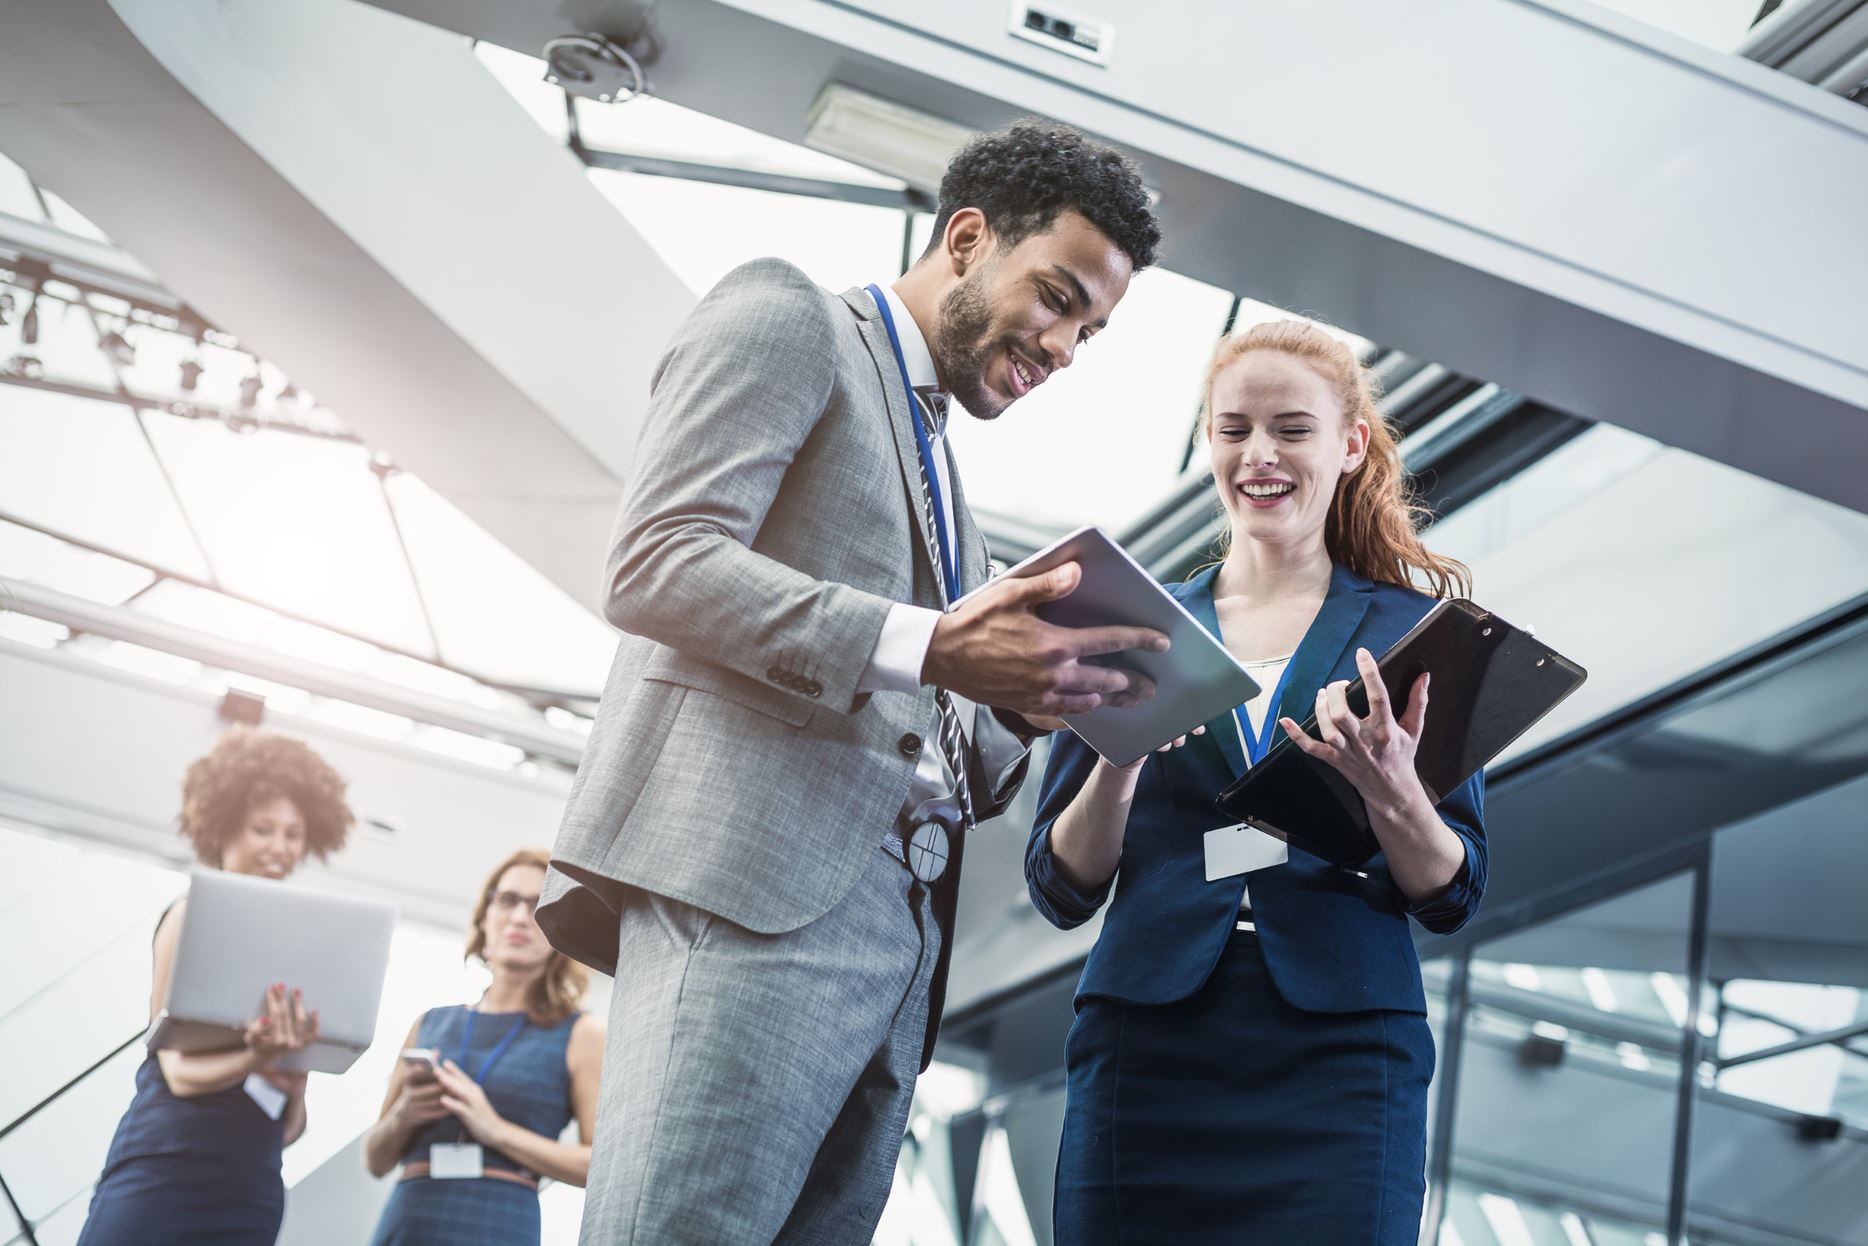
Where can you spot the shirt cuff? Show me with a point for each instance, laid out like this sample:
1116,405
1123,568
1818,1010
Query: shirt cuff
1448,909
901,650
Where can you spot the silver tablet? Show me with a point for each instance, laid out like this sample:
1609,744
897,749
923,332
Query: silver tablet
1195,680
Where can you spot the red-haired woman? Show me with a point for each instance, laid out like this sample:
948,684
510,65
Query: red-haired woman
475,1129
1250,1056
197,1156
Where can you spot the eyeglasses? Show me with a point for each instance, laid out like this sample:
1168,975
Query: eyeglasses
507,901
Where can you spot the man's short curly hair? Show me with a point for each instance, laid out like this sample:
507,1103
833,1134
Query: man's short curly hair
247,768
1024,176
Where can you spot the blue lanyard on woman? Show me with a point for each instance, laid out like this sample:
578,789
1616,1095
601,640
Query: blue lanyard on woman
499,1048
949,576
1258,743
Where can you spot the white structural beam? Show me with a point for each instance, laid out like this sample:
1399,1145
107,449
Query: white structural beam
98,754
1581,208
92,618
357,199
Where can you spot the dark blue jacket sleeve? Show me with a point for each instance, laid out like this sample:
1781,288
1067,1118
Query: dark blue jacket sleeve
1464,814
1063,905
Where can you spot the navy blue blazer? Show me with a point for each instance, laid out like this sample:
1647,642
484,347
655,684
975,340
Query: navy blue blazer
1333,941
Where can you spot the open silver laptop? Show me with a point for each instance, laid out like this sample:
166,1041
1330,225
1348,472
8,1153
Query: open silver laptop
243,934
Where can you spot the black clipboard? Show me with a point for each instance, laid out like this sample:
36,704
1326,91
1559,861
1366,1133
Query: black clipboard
1491,683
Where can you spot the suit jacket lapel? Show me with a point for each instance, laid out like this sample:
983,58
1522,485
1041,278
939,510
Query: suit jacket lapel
901,421
1221,729
1317,655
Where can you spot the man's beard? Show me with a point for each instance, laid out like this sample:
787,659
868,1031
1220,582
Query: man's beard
962,346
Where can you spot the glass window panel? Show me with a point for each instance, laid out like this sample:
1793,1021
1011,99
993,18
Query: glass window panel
1787,960
70,219
82,468
1102,440
297,522
16,197
496,615
1559,1096
1656,534
40,559
76,968
838,245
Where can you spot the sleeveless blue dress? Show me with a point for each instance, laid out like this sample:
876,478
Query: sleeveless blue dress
530,1086
185,1171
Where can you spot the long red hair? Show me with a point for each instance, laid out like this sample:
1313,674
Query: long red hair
1374,520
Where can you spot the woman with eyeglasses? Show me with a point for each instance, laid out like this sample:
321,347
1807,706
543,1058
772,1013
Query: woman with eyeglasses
483,1091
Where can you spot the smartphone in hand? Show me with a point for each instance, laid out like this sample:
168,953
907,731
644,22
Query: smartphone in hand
421,1063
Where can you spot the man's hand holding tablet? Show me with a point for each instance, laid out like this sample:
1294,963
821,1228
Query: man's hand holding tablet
994,649
1039,640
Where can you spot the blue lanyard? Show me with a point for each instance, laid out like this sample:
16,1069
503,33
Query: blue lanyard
1257,744
948,575
499,1048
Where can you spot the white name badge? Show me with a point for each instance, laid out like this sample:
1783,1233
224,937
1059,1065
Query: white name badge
1235,850
456,1161
270,1098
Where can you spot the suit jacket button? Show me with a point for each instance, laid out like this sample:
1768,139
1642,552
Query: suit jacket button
910,745
775,675
813,689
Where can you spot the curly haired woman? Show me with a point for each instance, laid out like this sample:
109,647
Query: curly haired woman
475,1128
197,1157
1250,1057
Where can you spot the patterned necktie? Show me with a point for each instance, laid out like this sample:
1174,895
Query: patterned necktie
927,848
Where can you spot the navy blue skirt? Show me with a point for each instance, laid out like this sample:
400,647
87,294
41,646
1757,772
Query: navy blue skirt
183,1200
1232,1117
482,1211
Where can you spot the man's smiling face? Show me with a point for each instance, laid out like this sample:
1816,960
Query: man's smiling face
1020,313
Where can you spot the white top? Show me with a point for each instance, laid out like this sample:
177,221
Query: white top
1265,674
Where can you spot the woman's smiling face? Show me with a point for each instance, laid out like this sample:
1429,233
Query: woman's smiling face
1278,444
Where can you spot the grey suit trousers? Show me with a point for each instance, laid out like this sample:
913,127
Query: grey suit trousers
756,1087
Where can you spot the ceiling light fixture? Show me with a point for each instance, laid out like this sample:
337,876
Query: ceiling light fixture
594,67
882,135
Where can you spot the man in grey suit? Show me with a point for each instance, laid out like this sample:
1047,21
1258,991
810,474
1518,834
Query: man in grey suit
764,838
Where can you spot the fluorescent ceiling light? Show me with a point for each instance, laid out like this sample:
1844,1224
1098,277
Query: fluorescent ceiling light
882,135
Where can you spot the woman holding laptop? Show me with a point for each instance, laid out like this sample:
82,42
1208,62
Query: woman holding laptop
476,1106
197,1156
1250,1056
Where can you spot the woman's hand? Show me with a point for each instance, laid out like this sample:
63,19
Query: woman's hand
418,1103
1375,753
462,1095
282,1027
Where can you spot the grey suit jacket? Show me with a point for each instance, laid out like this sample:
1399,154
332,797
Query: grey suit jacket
772,517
